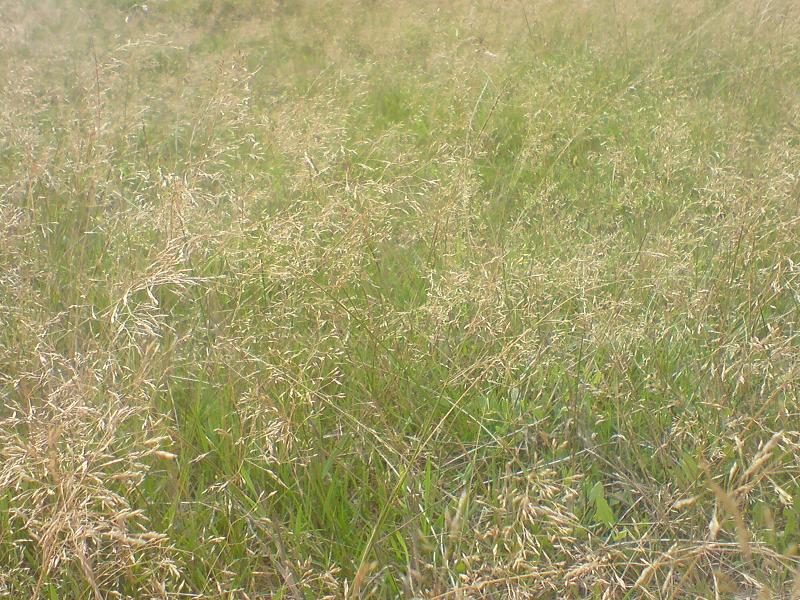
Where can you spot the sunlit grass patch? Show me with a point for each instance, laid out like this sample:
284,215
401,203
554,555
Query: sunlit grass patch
438,300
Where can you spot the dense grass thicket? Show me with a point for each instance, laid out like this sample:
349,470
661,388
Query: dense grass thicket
424,299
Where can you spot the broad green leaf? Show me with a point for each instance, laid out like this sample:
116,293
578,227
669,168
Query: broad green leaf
602,511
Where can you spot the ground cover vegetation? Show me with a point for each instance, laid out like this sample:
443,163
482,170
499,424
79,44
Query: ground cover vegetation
360,299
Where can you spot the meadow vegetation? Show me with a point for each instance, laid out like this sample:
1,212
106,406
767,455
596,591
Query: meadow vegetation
420,299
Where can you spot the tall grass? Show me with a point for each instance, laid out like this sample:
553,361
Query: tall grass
353,299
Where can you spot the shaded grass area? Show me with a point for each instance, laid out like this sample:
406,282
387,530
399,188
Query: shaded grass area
459,300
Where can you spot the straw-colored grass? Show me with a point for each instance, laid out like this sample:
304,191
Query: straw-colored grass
359,299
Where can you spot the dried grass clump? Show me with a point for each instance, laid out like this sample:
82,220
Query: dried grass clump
73,450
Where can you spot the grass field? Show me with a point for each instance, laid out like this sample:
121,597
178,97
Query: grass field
423,299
